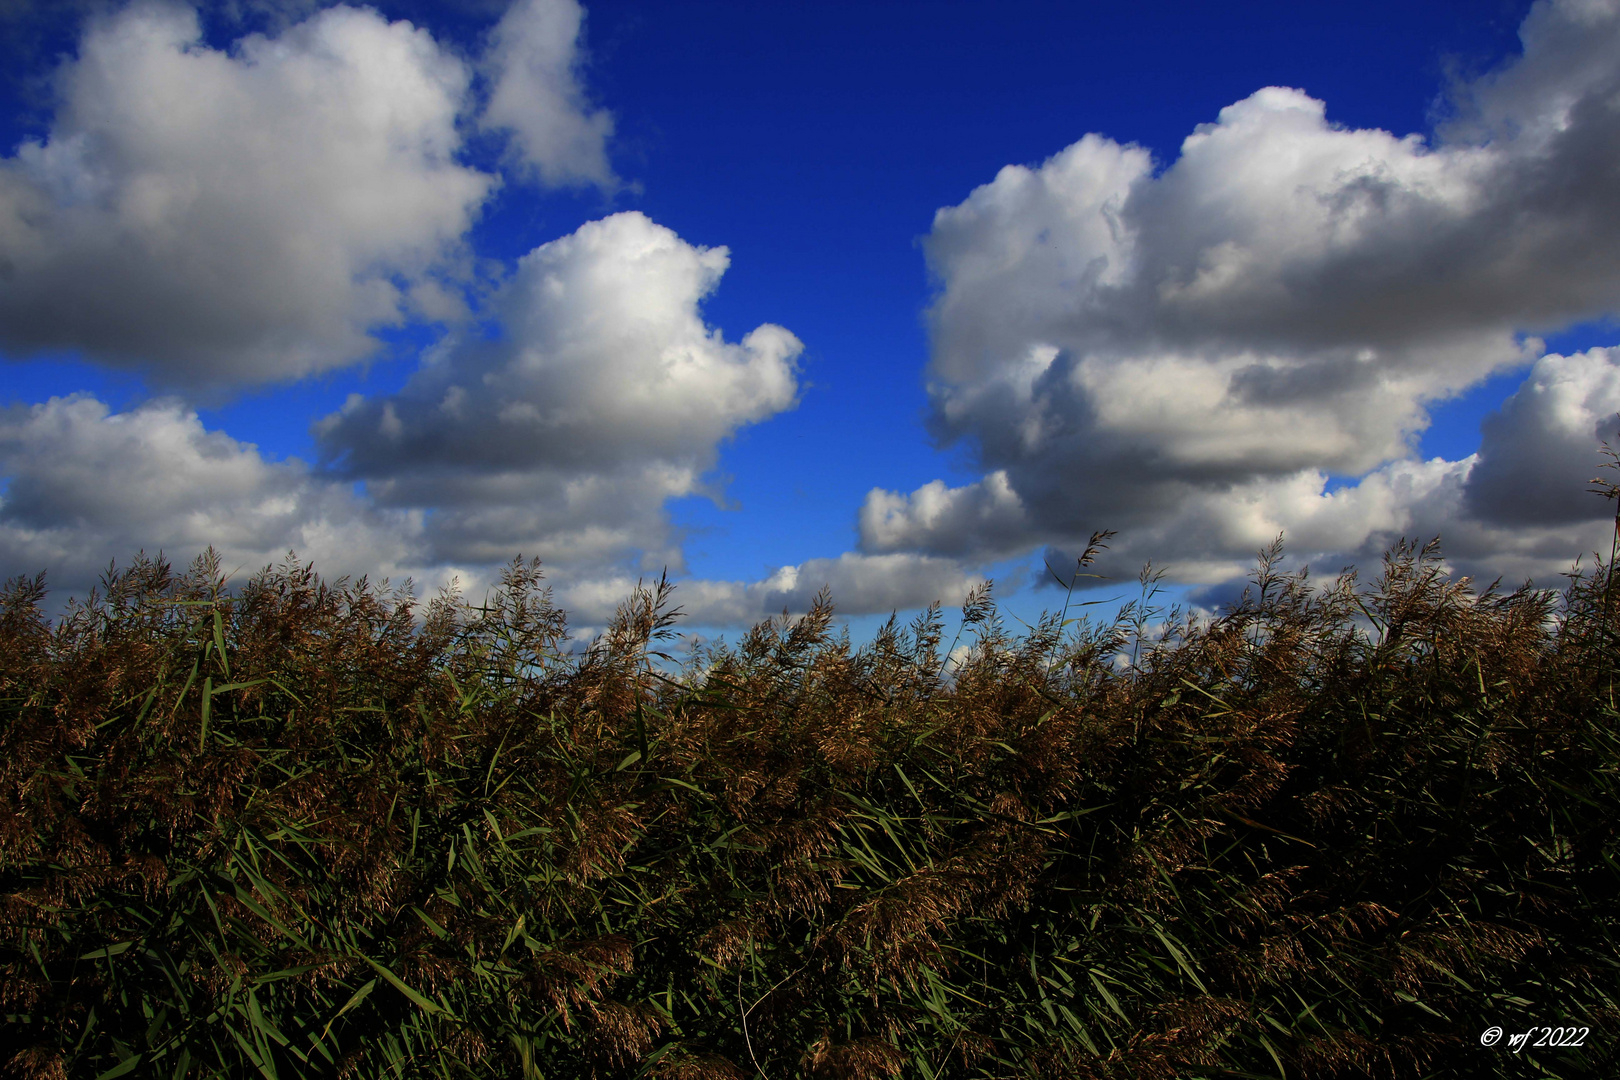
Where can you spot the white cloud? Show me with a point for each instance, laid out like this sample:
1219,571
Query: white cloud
536,94
250,216
238,217
604,396
985,518
1188,356
1537,449
85,485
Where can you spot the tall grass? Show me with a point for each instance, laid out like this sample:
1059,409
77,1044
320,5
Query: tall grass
313,829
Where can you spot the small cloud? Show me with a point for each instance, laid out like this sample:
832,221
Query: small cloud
605,396
1537,452
538,99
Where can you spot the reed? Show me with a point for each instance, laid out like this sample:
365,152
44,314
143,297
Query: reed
317,829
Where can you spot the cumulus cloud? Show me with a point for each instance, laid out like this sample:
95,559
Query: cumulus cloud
536,94
249,216
986,518
1190,355
86,484
604,395
1538,447
212,217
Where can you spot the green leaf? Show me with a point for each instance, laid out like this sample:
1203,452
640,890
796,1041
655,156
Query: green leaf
126,1066
418,999
110,950
207,703
219,643
438,931
359,996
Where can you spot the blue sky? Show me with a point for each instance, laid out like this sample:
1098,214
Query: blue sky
888,297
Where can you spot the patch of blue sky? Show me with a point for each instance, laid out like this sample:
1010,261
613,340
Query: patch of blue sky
279,418
34,379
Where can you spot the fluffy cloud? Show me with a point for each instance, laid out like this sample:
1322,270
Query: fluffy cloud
536,94
249,216
603,396
212,216
1189,356
1538,446
85,484
986,518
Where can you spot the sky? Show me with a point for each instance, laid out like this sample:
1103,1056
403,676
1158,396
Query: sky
883,297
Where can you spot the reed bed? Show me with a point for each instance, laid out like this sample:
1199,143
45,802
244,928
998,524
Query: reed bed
312,829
